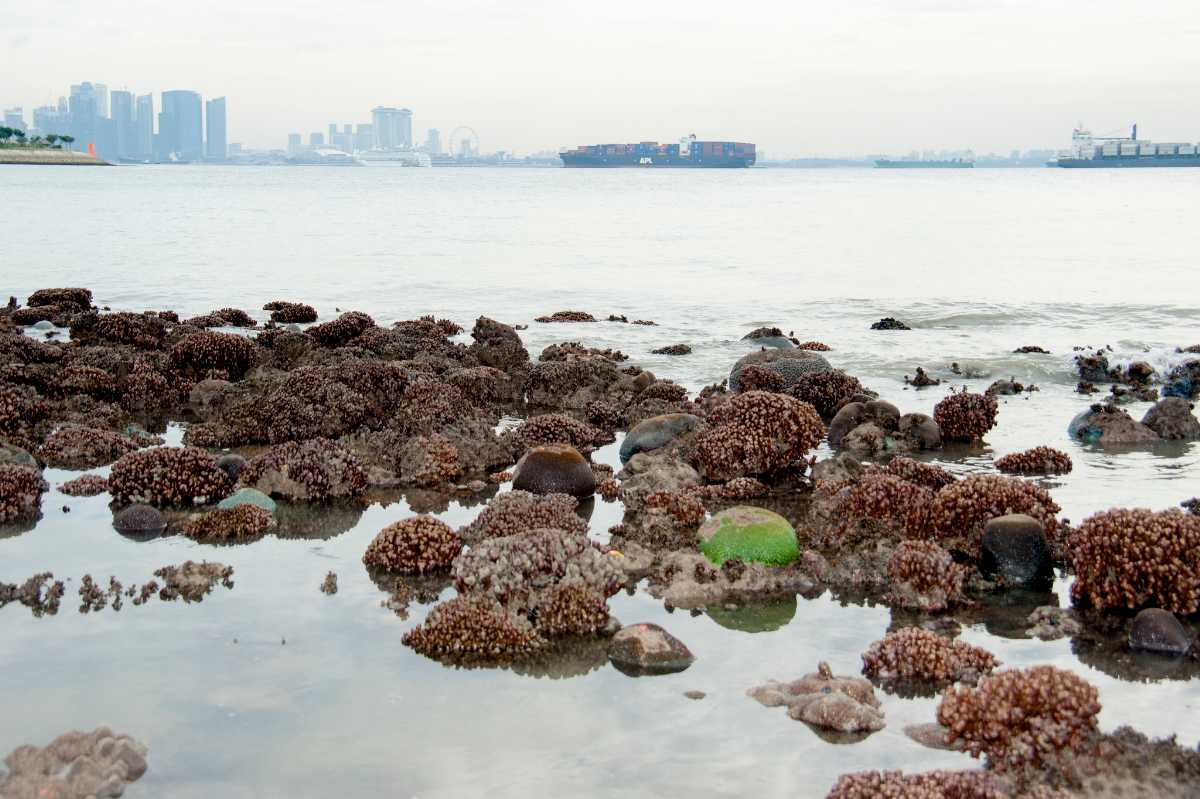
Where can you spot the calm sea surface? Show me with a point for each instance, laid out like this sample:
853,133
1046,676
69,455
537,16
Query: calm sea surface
979,262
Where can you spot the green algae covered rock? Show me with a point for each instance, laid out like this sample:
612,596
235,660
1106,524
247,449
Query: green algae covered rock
753,535
248,496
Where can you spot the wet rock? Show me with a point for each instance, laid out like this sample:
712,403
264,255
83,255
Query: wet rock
1014,548
673,349
921,379
1172,418
695,694
749,534
208,395
249,496
329,586
866,441
842,466
790,364
1156,630
231,464
889,323
840,704
657,432
554,469
1050,623
645,649
1031,349
140,521
931,735
882,414
920,431
1107,424
1092,368
769,337
11,454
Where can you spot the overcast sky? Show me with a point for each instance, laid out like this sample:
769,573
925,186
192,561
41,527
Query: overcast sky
799,78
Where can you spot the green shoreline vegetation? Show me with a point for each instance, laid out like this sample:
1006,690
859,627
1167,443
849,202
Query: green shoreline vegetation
16,148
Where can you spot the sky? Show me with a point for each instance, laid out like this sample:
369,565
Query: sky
799,78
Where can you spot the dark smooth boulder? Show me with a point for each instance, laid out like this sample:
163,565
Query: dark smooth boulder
1172,419
554,469
644,649
1014,548
656,432
1157,630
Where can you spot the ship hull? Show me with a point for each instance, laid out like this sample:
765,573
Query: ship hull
1130,162
654,162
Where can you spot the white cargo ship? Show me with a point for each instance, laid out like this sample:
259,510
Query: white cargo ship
1106,152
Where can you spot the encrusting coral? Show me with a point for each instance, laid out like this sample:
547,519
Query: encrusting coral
917,654
964,416
888,498
757,433
75,447
935,478
1039,460
168,476
1019,718
414,546
206,350
927,785
337,332
87,485
569,608
290,312
1135,558
310,470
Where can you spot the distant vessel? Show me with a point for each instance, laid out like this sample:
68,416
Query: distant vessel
916,163
394,158
688,153
323,156
1105,152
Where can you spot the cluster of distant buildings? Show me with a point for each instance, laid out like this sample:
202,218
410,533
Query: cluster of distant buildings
390,129
121,126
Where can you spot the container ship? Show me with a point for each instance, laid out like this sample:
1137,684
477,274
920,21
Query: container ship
1107,152
688,153
914,163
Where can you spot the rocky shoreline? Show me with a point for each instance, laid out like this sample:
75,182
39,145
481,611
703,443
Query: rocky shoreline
724,505
47,157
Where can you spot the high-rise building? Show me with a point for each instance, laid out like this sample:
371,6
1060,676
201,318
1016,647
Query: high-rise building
14,118
364,137
316,140
101,100
83,115
295,143
392,128
47,119
123,123
144,123
216,148
180,128
333,131
433,141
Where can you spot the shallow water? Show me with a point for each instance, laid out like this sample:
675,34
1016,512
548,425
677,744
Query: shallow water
979,262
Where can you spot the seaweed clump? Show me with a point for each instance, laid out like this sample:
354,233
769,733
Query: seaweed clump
964,416
1135,558
757,433
1039,460
916,654
414,546
168,476
21,489
1020,718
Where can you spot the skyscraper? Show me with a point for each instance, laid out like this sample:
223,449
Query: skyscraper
47,119
295,143
123,124
392,128
14,118
180,128
316,140
216,148
144,147
101,100
82,106
433,141
364,137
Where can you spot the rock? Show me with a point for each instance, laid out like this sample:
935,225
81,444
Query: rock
673,349
139,521
1156,630
932,735
884,415
841,704
1014,547
791,365
657,432
695,694
890,323
249,496
920,431
1172,418
554,469
648,472
11,454
1107,424
643,649
1050,623
865,441
231,464
749,534
842,466
207,395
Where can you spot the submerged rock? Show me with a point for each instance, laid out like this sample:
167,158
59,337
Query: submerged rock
140,520
1172,419
1157,630
889,323
749,534
1107,424
644,649
840,704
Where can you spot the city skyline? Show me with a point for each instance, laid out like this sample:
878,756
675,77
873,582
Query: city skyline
869,77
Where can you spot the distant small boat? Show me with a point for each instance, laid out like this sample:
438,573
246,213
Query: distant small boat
914,163
323,156
394,158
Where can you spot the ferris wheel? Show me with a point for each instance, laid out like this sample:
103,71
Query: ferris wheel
464,142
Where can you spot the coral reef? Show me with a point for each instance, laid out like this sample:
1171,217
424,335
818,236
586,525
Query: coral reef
791,364
515,512
75,765
935,478
568,608
88,485
924,577
21,490
963,416
474,629
673,349
168,476
757,434
290,312
75,447
1018,718
205,351
339,331
1039,460
890,499
239,523
414,546
814,346
961,510
916,654
759,378
827,391
554,428
310,470
1135,558
929,785
567,316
